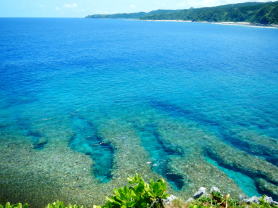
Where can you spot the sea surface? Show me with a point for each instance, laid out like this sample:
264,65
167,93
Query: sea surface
85,103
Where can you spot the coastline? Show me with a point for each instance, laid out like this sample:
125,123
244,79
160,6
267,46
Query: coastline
246,24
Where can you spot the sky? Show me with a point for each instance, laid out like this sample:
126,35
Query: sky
81,8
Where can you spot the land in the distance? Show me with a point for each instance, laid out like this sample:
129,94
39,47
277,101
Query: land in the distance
251,12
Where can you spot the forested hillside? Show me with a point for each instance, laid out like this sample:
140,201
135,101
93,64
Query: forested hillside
254,12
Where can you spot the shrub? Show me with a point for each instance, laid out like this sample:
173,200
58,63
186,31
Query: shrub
262,204
9,205
216,200
138,194
59,204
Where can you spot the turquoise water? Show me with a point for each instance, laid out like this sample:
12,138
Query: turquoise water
118,97
243,181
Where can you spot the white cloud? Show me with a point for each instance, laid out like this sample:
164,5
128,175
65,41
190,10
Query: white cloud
71,5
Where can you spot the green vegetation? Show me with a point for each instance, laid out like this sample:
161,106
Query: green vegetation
259,13
216,200
19,205
140,194
59,204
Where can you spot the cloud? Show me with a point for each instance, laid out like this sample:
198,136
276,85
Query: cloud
70,5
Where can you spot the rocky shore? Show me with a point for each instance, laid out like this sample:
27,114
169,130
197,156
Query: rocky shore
216,192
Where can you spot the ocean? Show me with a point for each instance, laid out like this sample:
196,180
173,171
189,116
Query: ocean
85,103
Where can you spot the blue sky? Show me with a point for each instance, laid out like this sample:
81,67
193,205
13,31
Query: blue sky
81,8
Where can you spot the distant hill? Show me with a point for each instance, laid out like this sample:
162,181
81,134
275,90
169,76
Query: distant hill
254,12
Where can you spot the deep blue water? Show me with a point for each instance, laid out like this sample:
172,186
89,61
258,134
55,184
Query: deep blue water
73,75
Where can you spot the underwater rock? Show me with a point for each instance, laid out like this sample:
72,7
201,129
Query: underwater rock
202,191
244,163
253,199
40,143
256,144
267,188
268,199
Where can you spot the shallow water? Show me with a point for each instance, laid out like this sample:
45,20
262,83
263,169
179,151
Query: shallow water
85,102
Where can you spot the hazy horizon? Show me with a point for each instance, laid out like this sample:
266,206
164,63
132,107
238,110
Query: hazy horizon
82,8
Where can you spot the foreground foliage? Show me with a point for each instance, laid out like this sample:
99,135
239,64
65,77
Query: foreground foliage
19,205
140,194
217,200
59,204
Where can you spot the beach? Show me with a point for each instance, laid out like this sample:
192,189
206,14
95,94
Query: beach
247,24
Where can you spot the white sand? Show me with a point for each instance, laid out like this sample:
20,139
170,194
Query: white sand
248,24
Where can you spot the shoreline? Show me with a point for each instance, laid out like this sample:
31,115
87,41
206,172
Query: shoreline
246,24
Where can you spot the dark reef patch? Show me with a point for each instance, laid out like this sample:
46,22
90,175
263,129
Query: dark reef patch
251,148
255,175
17,96
161,152
215,127
86,140
238,168
176,111
38,140
265,188
12,102
246,183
